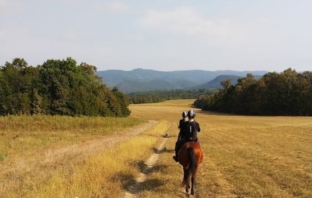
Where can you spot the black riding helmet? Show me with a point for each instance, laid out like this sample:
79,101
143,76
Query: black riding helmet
184,114
191,114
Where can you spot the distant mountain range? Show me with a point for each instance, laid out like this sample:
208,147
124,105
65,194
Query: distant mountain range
146,79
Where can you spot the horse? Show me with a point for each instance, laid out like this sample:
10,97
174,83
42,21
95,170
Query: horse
190,156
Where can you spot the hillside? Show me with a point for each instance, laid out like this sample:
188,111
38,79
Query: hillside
145,79
216,82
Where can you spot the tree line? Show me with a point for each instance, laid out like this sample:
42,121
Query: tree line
285,93
163,95
57,87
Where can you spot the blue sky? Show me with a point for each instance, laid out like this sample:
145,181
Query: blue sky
164,35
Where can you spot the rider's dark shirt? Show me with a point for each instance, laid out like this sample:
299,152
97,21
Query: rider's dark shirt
182,127
191,131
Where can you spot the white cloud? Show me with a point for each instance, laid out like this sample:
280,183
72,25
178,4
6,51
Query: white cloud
113,7
135,38
9,33
183,20
117,7
186,21
61,1
69,1
98,7
75,36
9,7
3,3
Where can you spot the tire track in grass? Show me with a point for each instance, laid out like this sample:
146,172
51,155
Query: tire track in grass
148,165
47,161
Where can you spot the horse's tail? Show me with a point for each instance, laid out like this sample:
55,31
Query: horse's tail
193,162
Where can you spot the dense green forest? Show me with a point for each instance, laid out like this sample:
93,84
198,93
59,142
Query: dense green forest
285,93
57,87
162,95
62,87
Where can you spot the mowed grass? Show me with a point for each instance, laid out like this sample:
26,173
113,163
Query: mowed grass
33,147
244,156
259,156
23,135
105,174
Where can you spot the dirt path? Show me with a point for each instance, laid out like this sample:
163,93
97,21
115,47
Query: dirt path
149,164
43,164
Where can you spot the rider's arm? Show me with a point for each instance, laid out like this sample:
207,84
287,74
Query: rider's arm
198,128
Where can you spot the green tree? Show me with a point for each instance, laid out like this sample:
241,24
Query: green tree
286,93
57,87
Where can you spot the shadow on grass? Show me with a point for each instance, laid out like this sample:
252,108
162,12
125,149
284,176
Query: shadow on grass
126,180
150,184
130,184
143,167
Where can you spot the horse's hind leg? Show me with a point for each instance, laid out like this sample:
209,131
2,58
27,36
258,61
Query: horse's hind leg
192,186
186,189
188,185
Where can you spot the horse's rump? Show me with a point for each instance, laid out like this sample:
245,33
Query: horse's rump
184,153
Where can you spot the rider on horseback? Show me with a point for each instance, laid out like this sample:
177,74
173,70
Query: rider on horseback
189,132
182,125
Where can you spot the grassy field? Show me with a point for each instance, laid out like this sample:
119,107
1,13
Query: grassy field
34,148
24,135
244,156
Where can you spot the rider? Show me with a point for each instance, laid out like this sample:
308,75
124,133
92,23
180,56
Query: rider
191,130
182,125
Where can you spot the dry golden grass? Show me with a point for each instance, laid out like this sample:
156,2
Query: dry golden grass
244,156
33,147
23,135
105,174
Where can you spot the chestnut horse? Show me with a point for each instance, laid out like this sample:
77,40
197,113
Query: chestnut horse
190,156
